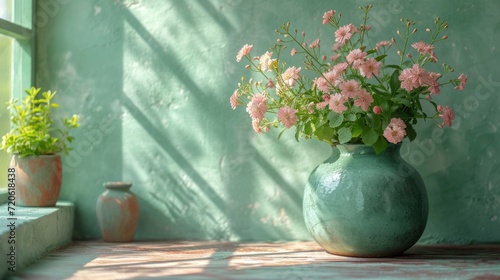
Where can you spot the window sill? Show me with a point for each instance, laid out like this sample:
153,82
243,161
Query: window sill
36,231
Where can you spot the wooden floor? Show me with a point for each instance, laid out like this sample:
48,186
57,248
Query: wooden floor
97,260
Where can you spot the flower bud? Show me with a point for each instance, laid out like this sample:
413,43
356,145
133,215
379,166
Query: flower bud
279,41
270,83
393,40
428,29
248,67
444,37
399,33
414,31
323,57
303,34
409,55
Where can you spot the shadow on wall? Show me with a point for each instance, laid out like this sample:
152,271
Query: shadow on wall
185,122
150,82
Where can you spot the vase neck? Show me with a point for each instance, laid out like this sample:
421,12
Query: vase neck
123,186
360,149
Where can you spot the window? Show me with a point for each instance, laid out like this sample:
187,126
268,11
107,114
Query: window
16,44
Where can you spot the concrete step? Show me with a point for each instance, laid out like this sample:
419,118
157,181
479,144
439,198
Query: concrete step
29,233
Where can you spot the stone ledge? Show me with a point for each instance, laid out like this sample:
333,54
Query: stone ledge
38,230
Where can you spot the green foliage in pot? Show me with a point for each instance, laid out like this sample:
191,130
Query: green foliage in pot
32,131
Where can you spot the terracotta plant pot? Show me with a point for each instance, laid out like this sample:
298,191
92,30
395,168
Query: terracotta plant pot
117,212
38,179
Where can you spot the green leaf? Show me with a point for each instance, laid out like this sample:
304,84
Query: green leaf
345,135
324,133
410,132
351,117
335,119
393,66
379,58
408,64
400,100
356,131
395,83
369,136
373,120
380,145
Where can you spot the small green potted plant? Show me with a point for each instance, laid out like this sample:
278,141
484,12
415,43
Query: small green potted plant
35,145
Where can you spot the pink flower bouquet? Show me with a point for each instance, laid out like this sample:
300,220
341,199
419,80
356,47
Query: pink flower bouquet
355,92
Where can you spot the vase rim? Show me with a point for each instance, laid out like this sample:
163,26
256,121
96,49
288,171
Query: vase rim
47,155
117,185
363,148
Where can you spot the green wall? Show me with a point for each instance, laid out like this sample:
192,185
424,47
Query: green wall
151,81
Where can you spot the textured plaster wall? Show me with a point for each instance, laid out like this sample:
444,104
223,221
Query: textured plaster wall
151,81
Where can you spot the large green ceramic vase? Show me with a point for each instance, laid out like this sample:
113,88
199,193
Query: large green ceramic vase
362,204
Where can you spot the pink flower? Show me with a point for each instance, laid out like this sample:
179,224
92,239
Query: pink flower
265,61
425,48
397,122
270,83
290,76
395,131
327,16
412,78
336,103
344,33
234,99
331,76
377,110
434,85
256,125
314,44
350,88
335,57
293,52
370,67
322,84
324,103
447,114
257,107
287,116
364,100
463,81
355,57
382,44
340,68
336,46
245,50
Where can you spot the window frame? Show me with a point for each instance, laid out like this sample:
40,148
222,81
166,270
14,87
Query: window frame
23,45
21,31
